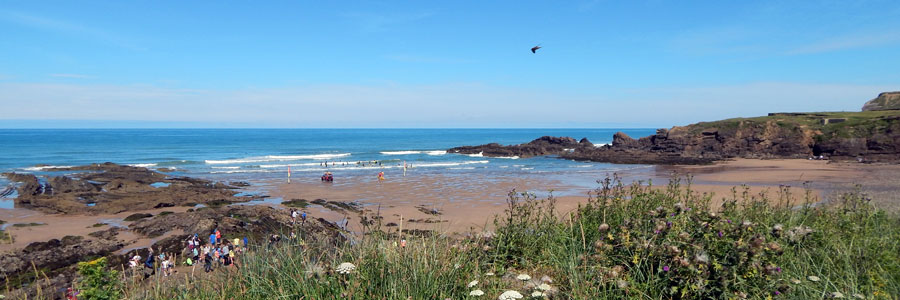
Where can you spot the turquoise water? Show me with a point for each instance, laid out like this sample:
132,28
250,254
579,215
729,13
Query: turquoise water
259,154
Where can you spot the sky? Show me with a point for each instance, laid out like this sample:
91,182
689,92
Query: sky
427,64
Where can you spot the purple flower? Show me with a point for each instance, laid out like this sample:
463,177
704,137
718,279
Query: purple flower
668,224
720,233
778,269
656,231
673,214
777,293
666,268
729,221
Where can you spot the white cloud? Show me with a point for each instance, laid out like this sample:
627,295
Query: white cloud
73,76
69,28
845,42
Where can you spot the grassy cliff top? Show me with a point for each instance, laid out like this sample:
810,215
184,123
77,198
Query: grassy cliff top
842,124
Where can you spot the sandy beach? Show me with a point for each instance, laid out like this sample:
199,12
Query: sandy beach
467,203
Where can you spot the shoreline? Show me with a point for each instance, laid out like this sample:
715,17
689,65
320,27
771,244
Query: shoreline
470,203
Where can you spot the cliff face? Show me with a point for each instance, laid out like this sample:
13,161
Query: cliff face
875,136
884,101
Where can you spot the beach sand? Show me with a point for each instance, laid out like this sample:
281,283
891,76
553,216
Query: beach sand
470,203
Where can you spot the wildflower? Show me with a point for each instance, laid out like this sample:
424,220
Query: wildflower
510,295
720,233
472,283
837,295
701,258
523,277
489,274
544,287
476,293
813,278
456,266
857,296
777,229
798,233
666,268
728,220
537,294
345,268
546,279
603,227
622,284
795,281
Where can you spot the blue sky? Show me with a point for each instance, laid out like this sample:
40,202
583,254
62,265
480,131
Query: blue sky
438,63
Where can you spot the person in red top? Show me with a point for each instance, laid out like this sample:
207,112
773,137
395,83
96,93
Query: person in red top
218,235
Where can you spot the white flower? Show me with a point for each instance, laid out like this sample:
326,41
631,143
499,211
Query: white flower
813,278
489,274
837,295
473,283
537,294
510,295
476,293
456,266
859,296
544,287
345,268
523,277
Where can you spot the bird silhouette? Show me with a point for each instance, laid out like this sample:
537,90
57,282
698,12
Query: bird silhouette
535,48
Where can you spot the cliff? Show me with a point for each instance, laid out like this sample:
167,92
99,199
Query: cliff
871,135
884,101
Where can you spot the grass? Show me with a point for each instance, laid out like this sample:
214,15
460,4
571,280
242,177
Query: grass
27,224
627,242
856,124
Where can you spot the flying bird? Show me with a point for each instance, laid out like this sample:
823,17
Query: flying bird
535,48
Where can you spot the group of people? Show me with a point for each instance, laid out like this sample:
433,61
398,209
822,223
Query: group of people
166,263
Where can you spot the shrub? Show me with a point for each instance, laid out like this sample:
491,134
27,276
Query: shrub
97,282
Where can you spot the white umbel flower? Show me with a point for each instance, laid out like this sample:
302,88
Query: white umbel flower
472,283
345,268
523,277
476,293
489,274
510,295
813,278
544,287
537,294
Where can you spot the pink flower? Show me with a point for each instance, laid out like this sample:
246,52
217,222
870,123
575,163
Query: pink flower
666,268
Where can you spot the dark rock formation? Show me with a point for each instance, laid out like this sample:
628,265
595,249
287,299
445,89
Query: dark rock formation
884,101
112,188
545,145
872,138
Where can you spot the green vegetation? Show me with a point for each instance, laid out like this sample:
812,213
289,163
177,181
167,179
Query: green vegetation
97,282
299,203
850,124
137,216
629,241
163,213
99,225
27,224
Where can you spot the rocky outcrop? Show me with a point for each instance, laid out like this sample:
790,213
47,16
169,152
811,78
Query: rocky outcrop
545,145
884,101
112,188
871,138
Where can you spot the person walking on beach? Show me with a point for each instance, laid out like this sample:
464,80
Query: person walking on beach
381,176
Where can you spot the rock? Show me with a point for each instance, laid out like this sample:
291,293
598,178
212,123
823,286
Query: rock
545,145
112,188
884,101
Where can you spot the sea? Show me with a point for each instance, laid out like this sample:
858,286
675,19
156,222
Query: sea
257,155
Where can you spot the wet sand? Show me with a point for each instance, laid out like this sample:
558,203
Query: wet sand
470,204
60,225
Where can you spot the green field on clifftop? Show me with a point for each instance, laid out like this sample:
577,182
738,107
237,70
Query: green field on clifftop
840,124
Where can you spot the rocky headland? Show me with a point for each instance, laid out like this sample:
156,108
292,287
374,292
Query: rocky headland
872,135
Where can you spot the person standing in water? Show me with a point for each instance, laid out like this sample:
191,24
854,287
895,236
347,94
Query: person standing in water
381,176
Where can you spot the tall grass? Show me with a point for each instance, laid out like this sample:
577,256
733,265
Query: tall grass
627,242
